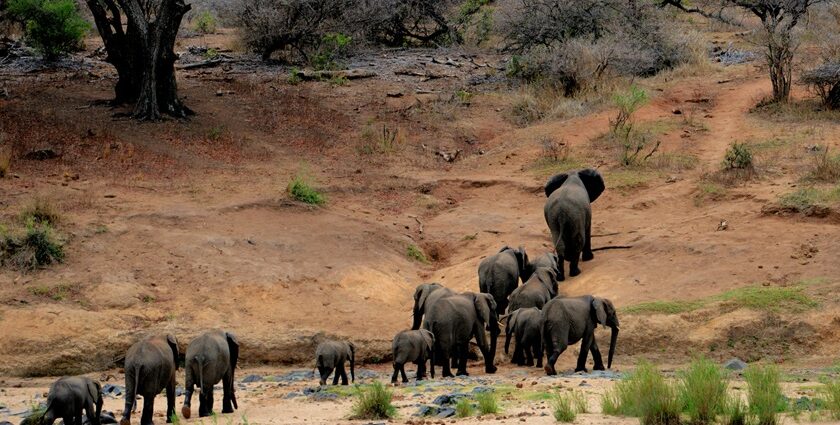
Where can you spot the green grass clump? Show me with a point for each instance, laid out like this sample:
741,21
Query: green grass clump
35,415
205,23
764,393
738,157
644,394
415,253
374,402
563,408
769,298
809,197
735,411
703,390
464,408
487,403
664,307
831,393
300,189
56,293
35,247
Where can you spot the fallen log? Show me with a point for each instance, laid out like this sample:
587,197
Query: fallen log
350,74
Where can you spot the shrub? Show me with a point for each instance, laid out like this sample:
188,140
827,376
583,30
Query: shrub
738,157
400,23
415,253
40,210
35,415
703,390
385,141
831,391
826,168
34,248
464,408
205,23
764,393
300,189
487,403
54,27
567,406
824,80
374,402
735,412
5,161
331,47
645,394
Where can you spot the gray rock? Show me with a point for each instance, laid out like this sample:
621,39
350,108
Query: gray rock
252,378
293,394
482,389
735,364
446,412
427,411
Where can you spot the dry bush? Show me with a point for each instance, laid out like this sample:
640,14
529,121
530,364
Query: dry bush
400,23
826,168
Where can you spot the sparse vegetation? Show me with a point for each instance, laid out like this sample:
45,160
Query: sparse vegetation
205,23
806,198
386,141
762,298
34,247
831,393
735,412
464,408
54,27
415,253
703,388
645,394
58,292
374,402
764,393
487,403
563,409
738,157
301,190
36,414
663,307
826,168
40,210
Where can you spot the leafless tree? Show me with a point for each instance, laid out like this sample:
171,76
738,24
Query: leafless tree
402,22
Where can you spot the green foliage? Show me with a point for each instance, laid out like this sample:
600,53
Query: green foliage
806,198
738,157
770,298
831,392
174,419
386,141
663,307
332,46
703,390
36,246
487,403
464,97
632,142
54,27
374,402
56,293
563,409
764,393
464,408
36,414
645,394
415,253
735,411
205,23
40,210
294,77
301,190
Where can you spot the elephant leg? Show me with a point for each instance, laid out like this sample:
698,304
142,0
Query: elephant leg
209,400
186,410
552,354
538,352
324,374
463,350
78,417
68,420
90,413
517,353
560,267
170,401
396,372
530,356
148,409
130,398
574,270
596,356
402,372
336,375
585,343
343,374
587,241
447,372
227,394
421,369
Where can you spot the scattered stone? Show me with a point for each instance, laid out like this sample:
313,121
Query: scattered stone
252,378
394,94
519,385
115,391
293,394
427,411
482,389
735,364
446,412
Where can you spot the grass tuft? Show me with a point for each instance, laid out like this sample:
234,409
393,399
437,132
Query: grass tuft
808,197
644,394
764,393
563,408
487,403
775,299
735,411
35,247
40,210
374,402
831,392
415,253
703,390
35,415
663,307
464,408
301,190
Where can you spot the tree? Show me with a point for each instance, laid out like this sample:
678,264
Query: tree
141,48
53,26
778,19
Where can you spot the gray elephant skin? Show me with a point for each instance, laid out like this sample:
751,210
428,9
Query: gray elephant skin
455,320
211,358
414,346
538,290
568,213
67,398
150,367
569,320
547,260
526,325
499,274
426,295
331,355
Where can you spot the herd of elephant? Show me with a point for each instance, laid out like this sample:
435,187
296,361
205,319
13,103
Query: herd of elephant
541,321
444,323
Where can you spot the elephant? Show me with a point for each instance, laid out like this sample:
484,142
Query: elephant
414,346
526,324
68,396
331,355
425,295
211,358
568,213
150,367
569,320
499,274
454,321
547,260
538,290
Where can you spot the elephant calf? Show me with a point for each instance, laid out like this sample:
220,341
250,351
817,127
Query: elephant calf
569,320
526,324
211,358
538,290
415,346
331,355
150,367
68,396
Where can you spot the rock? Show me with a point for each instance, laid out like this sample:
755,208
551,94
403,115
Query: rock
40,155
446,412
252,378
676,112
427,411
735,364
481,389
322,396
115,391
293,394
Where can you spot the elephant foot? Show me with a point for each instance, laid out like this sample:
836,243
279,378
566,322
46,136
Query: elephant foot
581,369
186,412
587,256
601,367
125,421
549,371
462,373
574,272
227,410
491,369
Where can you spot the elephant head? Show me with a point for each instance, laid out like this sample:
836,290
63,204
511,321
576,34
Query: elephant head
173,344
420,295
233,347
485,309
589,177
606,316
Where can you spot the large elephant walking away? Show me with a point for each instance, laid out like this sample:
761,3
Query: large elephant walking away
454,321
70,395
568,214
414,346
425,296
331,355
569,320
211,358
150,367
499,274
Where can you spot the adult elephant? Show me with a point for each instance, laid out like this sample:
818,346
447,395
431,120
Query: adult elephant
426,295
569,320
211,358
69,396
150,367
538,290
568,214
499,274
454,321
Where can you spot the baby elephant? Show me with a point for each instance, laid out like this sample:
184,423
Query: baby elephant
331,355
526,324
211,358
412,346
68,396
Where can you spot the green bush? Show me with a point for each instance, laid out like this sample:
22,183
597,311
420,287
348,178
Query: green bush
415,253
764,393
205,23
300,189
487,403
831,391
738,157
703,390
735,412
464,408
332,46
54,27
644,394
564,411
35,247
374,402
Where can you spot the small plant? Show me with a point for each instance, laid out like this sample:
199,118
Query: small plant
40,210
464,97
703,390
645,394
301,190
54,27
764,393
147,299
464,408
627,103
205,23
215,133
487,403
386,141
35,247
831,392
415,253
211,54
738,157
294,77
333,46
174,419
579,401
338,80
563,408
374,402
36,414
826,168
735,411
554,150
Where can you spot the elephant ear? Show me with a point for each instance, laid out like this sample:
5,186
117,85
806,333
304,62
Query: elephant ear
422,293
482,307
600,310
593,182
428,339
521,258
512,318
94,391
504,248
233,346
173,344
554,183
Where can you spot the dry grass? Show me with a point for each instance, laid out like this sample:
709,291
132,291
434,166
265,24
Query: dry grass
5,161
826,168
536,102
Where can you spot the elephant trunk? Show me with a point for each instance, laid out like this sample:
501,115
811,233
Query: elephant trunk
418,314
613,339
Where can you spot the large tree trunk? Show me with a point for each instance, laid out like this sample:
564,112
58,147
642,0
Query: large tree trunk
142,51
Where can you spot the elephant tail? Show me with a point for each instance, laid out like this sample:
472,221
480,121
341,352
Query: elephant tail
136,385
